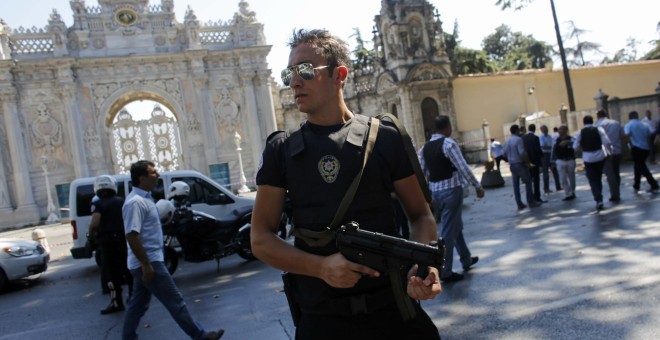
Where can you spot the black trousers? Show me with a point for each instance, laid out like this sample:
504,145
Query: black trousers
640,168
535,172
595,176
114,266
383,324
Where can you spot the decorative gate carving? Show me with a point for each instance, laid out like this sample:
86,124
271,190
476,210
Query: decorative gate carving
155,139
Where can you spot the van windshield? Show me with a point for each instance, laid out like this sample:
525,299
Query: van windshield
203,192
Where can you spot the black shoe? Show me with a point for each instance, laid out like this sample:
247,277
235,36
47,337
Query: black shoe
541,201
599,206
214,335
452,278
521,206
535,204
473,260
112,308
615,199
568,198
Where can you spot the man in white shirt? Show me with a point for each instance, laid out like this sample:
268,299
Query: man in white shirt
596,147
497,152
614,132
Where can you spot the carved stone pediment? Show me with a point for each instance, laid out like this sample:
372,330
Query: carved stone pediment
426,72
386,81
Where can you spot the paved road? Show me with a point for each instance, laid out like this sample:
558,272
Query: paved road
559,271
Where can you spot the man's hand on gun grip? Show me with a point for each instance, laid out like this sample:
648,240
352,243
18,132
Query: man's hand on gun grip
426,288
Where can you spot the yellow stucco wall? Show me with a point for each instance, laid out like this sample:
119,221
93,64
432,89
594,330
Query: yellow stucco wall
501,98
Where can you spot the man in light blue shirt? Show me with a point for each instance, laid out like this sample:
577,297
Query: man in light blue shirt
497,152
639,134
514,151
144,235
611,168
547,141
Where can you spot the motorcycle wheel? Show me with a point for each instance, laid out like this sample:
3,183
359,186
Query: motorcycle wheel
244,248
171,259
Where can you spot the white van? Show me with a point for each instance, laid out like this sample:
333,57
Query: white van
206,195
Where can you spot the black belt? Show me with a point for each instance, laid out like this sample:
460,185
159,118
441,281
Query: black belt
354,304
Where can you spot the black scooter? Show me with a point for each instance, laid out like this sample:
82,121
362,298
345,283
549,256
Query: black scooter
203,237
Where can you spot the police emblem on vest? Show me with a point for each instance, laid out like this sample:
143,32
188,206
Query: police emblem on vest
329,168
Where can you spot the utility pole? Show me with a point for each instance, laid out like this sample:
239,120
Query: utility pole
564,64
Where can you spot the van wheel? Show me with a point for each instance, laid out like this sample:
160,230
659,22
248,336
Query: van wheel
171,259
243,246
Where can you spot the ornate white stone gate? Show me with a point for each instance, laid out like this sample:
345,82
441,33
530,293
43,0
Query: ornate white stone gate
61,89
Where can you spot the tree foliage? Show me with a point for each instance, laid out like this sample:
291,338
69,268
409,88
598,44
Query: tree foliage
515,51
655,52
465,60
364,57
581,47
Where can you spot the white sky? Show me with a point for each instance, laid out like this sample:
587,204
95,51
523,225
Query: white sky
610,22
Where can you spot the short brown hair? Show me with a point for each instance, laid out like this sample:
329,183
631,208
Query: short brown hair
333,49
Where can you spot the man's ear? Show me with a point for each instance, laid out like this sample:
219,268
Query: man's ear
342,72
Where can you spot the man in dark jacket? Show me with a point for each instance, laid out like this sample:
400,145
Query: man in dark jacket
535,156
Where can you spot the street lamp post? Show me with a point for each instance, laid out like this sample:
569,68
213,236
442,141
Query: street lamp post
53,217
241,181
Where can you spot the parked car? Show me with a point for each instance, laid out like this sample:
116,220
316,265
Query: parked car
21,258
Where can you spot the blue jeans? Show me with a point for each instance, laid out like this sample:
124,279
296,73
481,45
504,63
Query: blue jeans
448,204
163,287
520,171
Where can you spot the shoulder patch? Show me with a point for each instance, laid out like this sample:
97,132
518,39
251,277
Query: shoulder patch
273,135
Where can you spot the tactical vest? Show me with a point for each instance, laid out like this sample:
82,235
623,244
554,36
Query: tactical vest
439,165
590,139
328,163
565,152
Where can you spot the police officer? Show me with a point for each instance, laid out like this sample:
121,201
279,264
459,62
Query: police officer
107,228
338,299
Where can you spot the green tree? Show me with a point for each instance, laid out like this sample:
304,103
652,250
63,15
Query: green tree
515,51
655,52
465,60
364,58
624,55
581,47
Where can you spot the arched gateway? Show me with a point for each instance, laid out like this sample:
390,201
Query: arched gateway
62,88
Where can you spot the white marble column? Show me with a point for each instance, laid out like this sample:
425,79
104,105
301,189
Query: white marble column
75,130
5,203
264,98
254,134
26,209
204,103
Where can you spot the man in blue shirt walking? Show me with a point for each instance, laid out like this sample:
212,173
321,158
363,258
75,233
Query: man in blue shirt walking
640,135
144,235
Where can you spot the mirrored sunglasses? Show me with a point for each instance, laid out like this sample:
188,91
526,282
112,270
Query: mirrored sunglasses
306,71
